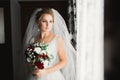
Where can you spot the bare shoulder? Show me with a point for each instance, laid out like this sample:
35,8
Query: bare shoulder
60,40
61,45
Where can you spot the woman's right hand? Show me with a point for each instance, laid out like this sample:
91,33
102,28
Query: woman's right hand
35,71
39,72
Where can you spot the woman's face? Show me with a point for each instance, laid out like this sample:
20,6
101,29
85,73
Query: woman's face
46,22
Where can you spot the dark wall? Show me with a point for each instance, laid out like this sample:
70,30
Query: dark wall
6,48
115,30
112,31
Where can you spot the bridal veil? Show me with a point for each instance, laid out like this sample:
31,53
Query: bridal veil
59,28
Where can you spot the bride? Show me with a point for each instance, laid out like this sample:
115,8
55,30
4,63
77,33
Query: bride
47,26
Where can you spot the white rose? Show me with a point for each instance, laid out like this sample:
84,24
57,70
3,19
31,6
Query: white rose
43,51
50,56
28,60
46,63
37,50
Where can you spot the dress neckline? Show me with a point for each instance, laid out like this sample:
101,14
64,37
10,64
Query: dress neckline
47,42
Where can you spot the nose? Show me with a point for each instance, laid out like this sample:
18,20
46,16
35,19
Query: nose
47,23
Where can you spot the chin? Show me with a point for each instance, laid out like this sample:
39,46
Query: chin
46,31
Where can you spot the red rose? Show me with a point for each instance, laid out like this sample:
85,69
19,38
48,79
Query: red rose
44,56
31,47
39,65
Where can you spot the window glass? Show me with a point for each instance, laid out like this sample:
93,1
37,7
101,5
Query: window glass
2,33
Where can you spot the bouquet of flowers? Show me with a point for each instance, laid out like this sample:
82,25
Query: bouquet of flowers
37,55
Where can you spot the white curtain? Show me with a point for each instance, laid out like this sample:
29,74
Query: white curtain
90,33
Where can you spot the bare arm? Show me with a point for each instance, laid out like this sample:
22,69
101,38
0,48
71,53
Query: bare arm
62,56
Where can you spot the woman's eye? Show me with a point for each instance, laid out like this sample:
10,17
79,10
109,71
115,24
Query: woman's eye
51,21
48,21
43,21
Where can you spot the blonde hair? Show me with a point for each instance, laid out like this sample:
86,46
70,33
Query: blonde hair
44,11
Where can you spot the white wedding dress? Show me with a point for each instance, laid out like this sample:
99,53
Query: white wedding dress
57,75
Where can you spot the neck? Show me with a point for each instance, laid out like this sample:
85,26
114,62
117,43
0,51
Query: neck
43,35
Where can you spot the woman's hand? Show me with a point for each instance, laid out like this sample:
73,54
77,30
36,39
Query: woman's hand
35,71
39,72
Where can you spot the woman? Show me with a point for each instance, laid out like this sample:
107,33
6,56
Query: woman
48,27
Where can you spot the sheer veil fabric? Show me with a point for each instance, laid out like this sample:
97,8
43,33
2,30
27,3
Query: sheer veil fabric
59,28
